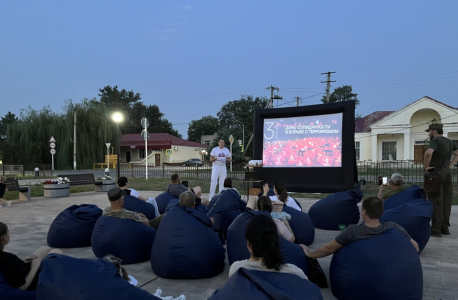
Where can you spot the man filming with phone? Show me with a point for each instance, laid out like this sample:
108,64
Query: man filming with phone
394,186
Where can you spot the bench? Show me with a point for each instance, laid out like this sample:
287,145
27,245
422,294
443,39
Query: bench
12,184
113,161
83,179
80,179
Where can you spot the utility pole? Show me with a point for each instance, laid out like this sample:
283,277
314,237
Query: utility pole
297,100
272,96
328,85
74,138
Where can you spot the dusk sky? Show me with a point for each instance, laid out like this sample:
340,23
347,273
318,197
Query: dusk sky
191,58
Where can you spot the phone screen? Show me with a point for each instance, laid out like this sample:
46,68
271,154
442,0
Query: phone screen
385,180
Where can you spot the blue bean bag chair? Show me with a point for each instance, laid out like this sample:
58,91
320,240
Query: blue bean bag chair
228,206
336,211
134,204
7,292
213,201
259,285
237,247
302,226
414,216
69,278
162,200
72,228
384,267
186,247
202,208
409,194
126,239
172,203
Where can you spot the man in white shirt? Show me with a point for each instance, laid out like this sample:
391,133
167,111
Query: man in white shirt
219,157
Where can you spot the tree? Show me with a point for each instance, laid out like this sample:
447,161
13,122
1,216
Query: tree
340,94
5,121
204,126
242,111
129,104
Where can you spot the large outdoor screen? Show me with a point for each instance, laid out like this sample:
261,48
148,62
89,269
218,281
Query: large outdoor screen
309,141
310,148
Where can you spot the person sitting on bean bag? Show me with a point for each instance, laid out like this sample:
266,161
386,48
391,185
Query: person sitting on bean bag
186,245
264,275
117,210
123,183
281,194
284,230
228,207
371,212
395,185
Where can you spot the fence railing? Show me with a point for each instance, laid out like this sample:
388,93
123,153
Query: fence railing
411,171
26,170
185,172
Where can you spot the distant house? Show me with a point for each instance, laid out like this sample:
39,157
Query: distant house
162,148
400,135
208,139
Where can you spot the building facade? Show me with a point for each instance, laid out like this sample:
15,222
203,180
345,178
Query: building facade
400,135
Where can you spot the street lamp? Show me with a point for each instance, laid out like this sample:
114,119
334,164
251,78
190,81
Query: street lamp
243,134
118,117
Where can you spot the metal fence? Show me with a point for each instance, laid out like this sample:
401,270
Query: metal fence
26,170
367,170
411,171
185,172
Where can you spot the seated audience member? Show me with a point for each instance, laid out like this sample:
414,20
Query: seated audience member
21,274
226,186
281,194
175,188
371,212
3,189
186,199
265,204
262,243
117,210
123,184
395,185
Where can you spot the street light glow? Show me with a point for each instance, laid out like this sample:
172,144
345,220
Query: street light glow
117,117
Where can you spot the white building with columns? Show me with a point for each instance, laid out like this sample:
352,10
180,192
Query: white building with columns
400,135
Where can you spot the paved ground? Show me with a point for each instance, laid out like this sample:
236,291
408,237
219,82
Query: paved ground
29,223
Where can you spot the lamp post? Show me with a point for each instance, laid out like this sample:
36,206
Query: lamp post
118,117
243,134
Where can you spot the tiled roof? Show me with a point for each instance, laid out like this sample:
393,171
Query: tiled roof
362,125
159,140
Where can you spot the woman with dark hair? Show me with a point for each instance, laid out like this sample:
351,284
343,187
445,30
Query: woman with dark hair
281,194
123,184
264,204
263,245
21,274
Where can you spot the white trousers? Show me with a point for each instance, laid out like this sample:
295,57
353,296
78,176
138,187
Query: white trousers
217,172
153,202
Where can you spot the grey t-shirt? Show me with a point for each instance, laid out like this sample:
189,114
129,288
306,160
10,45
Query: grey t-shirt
358,232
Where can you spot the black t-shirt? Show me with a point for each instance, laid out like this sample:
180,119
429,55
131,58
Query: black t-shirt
2,189
14,269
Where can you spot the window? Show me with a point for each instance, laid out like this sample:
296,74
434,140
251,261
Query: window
357,147
389,150
207,142
141,153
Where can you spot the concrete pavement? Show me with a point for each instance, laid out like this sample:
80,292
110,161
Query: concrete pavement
29,222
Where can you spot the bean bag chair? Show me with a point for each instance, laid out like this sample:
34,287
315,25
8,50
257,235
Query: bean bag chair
302,226
172,203
126,239
134,204
186,247
237,248
7,292
409,194
202,208
259,285
69,278
414,216
162,200
228,206
337,210
384,267
213,201
72,228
